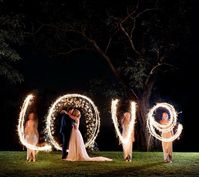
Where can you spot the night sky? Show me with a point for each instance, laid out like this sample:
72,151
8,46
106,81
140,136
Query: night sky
53,77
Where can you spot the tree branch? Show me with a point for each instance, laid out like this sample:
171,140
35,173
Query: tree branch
156,67
144,11
131,14
106,57
133,28
109,42
129,39
71,51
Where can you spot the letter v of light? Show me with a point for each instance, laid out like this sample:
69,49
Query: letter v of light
115,121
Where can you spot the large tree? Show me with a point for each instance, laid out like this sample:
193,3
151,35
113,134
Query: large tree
135,38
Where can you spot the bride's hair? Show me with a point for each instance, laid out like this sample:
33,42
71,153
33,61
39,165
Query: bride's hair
76,112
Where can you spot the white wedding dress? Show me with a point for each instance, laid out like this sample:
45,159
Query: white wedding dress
77,150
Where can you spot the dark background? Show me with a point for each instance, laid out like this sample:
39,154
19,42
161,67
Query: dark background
50,78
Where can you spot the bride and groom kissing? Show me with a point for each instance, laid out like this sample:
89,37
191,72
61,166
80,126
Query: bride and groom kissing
73,148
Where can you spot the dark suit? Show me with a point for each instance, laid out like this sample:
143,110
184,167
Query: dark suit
65,130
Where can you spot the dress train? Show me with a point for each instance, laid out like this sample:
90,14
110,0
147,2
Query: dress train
77,150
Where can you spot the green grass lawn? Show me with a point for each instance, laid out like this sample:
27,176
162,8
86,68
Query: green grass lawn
144,164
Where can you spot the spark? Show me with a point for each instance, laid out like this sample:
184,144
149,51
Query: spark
78,101
115,121
152,124
20,127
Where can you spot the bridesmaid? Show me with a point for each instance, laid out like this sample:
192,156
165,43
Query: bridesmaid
31,135
166,146
127,147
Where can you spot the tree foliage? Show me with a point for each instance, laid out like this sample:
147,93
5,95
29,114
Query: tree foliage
11,36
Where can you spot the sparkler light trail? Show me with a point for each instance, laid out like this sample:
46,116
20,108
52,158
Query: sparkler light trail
115,121
20,127
88,109
152,124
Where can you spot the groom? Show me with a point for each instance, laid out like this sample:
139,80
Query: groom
65,129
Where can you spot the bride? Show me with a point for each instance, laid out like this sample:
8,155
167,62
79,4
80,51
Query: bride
77,150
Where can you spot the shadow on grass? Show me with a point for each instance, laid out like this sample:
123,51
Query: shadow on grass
132,170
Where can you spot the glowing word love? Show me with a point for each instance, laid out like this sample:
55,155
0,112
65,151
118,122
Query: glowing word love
91,114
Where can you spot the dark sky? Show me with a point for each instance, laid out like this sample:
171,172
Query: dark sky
52,77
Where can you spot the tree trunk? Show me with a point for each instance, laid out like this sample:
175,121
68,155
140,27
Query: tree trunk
141,128
148,141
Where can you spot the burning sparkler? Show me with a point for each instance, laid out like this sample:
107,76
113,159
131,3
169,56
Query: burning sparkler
20,126
115,121
152,124
78,101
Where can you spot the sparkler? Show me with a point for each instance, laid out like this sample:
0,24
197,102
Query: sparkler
89,110
115,121
20,127
152,124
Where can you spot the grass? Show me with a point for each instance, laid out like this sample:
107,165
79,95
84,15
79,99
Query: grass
144,164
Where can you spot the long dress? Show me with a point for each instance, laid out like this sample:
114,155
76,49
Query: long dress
32,137
127,147
167,146
77,150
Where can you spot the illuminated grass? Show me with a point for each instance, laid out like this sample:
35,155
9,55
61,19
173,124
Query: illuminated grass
149,164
